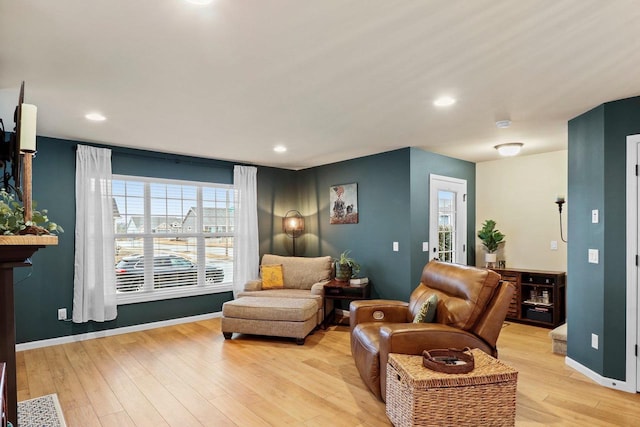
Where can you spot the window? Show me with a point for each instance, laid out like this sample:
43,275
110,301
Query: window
446,231
172,238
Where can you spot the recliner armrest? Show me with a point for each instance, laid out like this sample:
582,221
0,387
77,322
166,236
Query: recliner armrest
377,310
413,338
253,285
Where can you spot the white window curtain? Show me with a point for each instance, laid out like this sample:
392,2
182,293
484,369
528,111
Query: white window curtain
246,255
94,281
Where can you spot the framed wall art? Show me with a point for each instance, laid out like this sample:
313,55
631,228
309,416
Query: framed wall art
343,204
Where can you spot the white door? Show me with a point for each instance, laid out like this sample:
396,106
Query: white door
636,140
633,210
632,365
447,219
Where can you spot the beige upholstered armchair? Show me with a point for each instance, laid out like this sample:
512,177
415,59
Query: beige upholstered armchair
471,306
301,278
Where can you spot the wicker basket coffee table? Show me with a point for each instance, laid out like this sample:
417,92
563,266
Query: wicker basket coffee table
417,396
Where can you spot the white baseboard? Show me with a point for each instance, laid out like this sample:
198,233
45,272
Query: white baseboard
111,332
599,379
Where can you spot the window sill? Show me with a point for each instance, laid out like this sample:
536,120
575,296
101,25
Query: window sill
138,297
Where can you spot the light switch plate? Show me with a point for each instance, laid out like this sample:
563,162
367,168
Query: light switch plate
594,216
594,341
593,256
554,245
425,246
395,247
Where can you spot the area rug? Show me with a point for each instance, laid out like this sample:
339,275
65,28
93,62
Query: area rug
40,412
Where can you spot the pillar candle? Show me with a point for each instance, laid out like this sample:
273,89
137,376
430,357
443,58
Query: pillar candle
28,128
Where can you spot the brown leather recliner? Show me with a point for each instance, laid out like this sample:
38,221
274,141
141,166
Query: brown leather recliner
472,306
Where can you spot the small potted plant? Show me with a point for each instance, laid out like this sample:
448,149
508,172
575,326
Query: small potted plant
491,238
346,267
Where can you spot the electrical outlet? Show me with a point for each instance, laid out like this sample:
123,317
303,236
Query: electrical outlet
594,341
554,245
62,314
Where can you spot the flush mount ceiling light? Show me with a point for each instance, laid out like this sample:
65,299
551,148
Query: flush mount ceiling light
280,149
503,124
199,2
509,149
95,117
444,101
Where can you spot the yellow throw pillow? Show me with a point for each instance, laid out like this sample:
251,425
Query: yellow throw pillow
272,276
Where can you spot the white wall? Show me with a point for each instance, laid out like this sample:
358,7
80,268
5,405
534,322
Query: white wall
519,193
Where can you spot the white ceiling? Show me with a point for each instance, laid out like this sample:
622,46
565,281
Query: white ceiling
330,79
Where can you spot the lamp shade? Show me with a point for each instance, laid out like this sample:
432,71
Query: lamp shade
293,223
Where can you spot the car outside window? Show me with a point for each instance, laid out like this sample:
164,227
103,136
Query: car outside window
172,238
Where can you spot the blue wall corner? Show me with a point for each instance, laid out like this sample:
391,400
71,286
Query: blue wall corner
596,293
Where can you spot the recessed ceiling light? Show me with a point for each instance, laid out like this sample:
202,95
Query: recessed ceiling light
199,2
509,149
444,101
95,117
279,148
503,124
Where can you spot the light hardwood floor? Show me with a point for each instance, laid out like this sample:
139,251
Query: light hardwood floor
188,375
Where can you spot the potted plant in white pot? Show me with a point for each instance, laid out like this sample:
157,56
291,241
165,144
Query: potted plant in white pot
491,239
346,267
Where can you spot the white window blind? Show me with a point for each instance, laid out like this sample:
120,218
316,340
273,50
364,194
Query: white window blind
172,238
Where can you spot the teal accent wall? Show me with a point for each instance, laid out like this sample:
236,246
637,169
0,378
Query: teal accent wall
48,285
392,201
277,194
383,212
423,164
596,293
585,282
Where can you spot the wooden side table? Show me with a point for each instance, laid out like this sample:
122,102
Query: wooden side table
336,290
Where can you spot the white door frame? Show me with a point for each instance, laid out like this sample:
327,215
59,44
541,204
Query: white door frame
632,365
440,182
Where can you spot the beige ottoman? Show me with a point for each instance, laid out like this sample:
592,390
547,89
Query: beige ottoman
279,317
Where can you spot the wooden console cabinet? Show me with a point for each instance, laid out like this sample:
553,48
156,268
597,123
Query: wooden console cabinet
540,297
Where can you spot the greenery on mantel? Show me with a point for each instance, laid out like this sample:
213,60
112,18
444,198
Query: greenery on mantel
12,218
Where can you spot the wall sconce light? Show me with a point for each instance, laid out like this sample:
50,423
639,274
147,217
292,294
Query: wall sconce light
293,226
560,201
509,149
